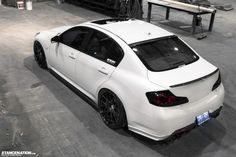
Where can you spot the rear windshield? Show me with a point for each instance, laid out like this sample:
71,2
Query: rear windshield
164,54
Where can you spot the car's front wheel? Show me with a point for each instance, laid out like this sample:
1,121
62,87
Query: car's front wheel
111,110
39,55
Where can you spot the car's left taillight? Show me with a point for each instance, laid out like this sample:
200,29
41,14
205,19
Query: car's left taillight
165,98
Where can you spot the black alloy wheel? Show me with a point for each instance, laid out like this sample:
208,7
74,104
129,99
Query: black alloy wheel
111,110
39,55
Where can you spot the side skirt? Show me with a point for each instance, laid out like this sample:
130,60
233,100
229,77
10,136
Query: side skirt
75,88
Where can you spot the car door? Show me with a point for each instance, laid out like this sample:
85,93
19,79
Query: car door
100,58
65,52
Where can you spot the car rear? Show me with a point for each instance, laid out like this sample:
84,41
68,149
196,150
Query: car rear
162,122
193,90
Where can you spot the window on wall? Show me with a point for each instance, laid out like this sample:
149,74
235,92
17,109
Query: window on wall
75,37
104,48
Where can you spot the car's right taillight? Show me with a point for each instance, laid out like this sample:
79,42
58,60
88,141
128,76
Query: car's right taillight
165,98
217,83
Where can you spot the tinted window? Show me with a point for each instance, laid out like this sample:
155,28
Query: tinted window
164,54
104,48
75,37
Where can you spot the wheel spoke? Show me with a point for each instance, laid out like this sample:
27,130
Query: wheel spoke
104,99
112,118
115,116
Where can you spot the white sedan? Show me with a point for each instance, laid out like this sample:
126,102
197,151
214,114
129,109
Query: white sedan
140,75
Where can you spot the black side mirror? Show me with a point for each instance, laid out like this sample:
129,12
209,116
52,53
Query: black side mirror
56,39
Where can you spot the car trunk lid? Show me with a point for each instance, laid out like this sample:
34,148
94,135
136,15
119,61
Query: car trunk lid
193,81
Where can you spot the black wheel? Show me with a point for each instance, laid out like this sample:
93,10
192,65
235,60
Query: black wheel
39,55
111,110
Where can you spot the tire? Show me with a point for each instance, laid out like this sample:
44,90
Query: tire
39,55
111,110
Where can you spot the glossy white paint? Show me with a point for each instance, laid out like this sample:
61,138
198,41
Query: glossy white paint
133,31
91,73
130,80
63,59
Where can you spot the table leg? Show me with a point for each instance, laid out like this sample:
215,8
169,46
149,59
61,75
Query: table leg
167,13
149,12
211,22
194,24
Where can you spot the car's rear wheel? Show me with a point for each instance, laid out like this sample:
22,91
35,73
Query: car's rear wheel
39,55
111,110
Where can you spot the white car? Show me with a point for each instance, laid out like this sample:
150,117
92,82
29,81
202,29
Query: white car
140,75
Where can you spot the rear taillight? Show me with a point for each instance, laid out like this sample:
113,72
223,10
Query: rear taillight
217,83
165,98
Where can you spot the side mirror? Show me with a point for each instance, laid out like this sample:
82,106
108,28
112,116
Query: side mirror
56,39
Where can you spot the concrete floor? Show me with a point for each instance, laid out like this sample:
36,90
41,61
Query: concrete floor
39,113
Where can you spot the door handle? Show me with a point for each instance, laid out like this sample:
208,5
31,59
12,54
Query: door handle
72,55
103,71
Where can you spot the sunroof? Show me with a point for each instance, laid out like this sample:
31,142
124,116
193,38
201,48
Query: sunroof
107,21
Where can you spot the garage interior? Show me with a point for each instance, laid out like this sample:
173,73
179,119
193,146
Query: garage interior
40,113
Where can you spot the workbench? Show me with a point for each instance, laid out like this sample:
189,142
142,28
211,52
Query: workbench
189,8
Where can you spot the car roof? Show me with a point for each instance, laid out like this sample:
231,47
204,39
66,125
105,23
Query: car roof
131,30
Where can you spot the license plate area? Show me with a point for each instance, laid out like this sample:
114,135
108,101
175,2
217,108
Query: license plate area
202,118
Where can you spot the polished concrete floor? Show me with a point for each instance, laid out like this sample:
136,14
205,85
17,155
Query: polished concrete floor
41,114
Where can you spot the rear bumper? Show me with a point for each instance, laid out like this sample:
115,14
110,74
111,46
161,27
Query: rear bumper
214,114
162,123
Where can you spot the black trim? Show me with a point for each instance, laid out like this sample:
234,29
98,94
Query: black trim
204,77
74,89
216,113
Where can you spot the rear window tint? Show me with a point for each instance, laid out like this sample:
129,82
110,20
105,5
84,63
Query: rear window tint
164,54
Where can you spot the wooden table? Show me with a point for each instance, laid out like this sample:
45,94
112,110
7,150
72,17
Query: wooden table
191,9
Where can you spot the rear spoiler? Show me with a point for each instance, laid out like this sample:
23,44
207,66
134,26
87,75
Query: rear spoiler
204,77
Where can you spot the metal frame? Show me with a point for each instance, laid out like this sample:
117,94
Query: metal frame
194,13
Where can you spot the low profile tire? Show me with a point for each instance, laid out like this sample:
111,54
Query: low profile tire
39,55
111,110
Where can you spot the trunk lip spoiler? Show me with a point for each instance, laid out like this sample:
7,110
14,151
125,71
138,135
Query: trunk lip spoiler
201,78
